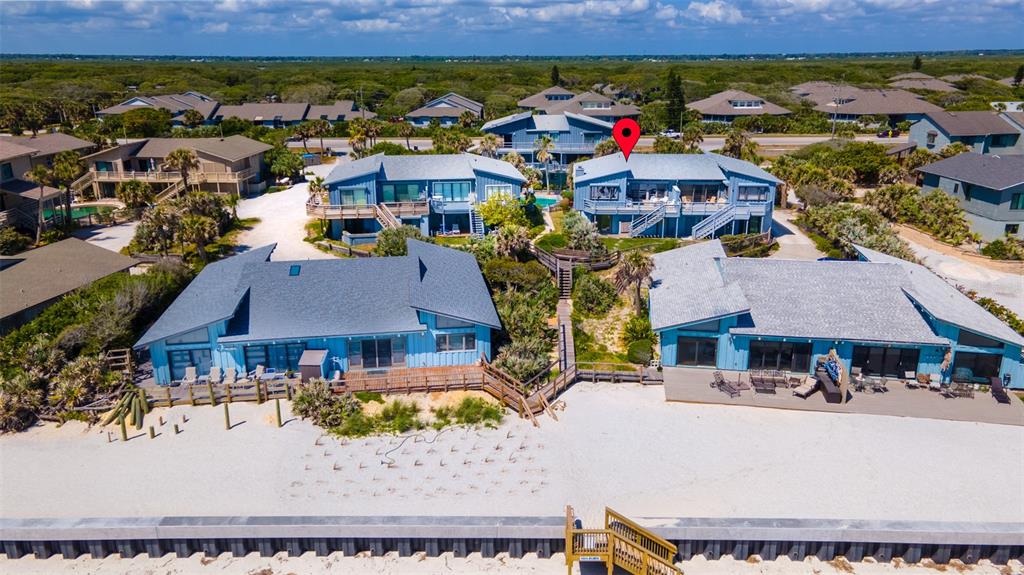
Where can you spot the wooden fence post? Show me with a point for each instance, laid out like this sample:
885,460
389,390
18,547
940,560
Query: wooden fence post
191,396
124,429
152,433
259,391
170,402
227,418
227,389
277,405
213,398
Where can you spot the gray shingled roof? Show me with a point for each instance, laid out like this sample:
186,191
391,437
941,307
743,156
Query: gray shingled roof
250,111
46,144
972,123
456,106
547,122
720,105
996,172
687,287
346,109
505,120
232,148
39,275
930,84
539,99
9,149
862,101
695,167
329,298
424,167
944,301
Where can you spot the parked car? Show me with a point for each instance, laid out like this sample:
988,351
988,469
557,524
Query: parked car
671,134
888,133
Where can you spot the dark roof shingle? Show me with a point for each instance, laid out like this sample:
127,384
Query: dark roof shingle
996,172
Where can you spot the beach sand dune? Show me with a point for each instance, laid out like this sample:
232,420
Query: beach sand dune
616,445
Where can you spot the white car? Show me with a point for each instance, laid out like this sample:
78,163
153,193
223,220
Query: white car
671,134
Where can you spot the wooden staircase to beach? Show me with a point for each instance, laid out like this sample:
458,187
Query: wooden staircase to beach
621,543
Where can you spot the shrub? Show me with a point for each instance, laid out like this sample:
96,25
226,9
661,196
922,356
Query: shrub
502,209
316,401
640,352
638,328
593,296
399,416
843,225
524,357
469,411
391,242
581,234
1007,248
11,242
504,273
524,314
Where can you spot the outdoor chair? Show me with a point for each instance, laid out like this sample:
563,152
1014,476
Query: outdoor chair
215,375
755,377
807,388
878,385
998,390
190,376
764,384
257,374
778,380
230,376
455,230
910,380
935,382
724,386
336,377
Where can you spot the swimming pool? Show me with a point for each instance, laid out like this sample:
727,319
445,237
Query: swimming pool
545,202
79,211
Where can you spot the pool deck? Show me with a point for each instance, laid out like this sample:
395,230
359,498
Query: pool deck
691,385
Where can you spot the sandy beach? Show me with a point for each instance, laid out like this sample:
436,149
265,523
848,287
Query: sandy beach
616,445
309,564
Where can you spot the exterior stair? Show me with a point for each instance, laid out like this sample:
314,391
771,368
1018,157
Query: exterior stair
476,223
644,222
564,277
386,217
170,191
709,225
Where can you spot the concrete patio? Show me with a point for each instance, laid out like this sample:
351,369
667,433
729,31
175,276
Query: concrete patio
691,385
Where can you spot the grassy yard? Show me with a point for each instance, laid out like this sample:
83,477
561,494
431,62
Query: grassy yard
452,241
655,245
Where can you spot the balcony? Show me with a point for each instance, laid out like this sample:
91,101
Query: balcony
169,177
446,206
401,210
672,208
562,146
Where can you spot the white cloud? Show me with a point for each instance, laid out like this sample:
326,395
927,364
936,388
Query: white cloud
371,25
715,11
215,27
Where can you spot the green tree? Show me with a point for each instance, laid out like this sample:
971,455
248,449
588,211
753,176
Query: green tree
285,164
391,241
542,151
319,128
738,144
511,241
450,141
199,231
954,149
555,76
406,130
692,138
156,229
606,147
666,145
20,400
145,123
917,62
676,98
192,119
184,161
467,119
489,145
134,193
303,132
634,269
501,209
67,167
41,176
516,160
1018,76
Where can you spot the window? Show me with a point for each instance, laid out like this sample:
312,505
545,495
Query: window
6,172
282,356
956,189
452,191
752,194
1011,229
697,351
354,196
967,192
698,193
644,191
781,355
444,322
376,353
391,193
198,336
1017,201
887,361
704,326
969,338
931,138
178,360
975,367
498,189
601,193
456,342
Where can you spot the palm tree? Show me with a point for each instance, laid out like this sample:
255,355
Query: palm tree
41,176
192,119
466,119
516,160
635,268
320,128
198,230
692,138
67,167
183,160
739,145
511,240
606,148
304,132
543,147
158,225
357,137
373,129
489,145
406,130
134,193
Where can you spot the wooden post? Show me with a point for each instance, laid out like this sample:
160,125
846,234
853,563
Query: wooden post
277,406
124,429
152,433
191,396
170,402
227,418
176,430
288,390
213,398
259,391
227,389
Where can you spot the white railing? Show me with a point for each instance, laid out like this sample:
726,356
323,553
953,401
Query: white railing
645,222
707,226
386,218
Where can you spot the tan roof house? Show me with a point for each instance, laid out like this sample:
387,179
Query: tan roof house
445,110
20,198
848,103
728,105
232,165
270,114
176,104
557,100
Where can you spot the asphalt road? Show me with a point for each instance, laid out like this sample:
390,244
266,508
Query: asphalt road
710,142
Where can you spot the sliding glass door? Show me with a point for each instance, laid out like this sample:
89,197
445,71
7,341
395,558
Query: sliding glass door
780,355
697,351
178,360
380,353
887,361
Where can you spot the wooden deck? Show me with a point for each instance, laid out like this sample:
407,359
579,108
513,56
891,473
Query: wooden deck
691,385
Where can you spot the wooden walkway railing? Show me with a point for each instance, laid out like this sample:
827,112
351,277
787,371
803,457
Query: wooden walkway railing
622,543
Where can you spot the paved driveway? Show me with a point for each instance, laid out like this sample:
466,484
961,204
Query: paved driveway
282,219
793,244
113,238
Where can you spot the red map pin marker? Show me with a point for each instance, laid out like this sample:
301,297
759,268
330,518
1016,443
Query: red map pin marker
626,133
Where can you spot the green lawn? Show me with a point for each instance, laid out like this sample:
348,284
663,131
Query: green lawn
557,217
647,244
552,241
452,241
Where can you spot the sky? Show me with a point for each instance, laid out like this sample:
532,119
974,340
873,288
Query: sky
506,27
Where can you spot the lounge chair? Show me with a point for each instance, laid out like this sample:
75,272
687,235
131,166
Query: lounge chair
336,377
455,230
764,383
190,376
878,385
808,387
910,380
778,378
998,390
935,382
215,375
724,386
254,375
230,376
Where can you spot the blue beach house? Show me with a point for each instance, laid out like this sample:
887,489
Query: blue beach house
359,314
982,132
883,315
674,195
436,193
573,135
445,110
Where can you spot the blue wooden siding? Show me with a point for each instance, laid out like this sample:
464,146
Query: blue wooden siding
981,143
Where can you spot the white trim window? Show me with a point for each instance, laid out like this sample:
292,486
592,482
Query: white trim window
498,189
456,342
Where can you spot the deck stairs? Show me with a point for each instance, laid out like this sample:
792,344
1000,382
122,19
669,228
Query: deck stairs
171,191
646,221
709,225
621,544
476,223
120,361
81,183
18,218
564,277
386,218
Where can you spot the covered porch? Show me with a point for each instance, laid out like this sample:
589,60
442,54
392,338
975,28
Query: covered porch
692,385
